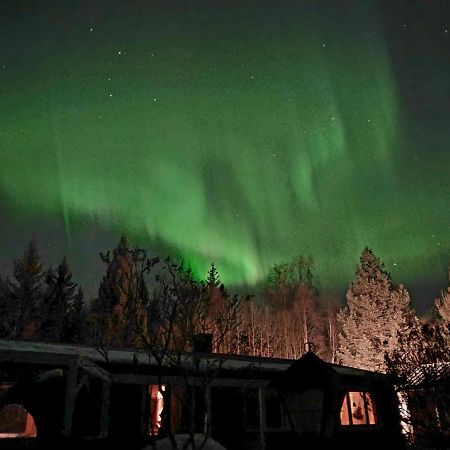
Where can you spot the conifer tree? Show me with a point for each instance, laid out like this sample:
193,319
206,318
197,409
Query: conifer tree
375,314
213,279
26,294
60,294
76,319
119,312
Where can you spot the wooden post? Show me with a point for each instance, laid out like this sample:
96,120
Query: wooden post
262,418
145,407
69,398
104,419
208,421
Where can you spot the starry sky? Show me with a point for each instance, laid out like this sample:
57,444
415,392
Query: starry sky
240,132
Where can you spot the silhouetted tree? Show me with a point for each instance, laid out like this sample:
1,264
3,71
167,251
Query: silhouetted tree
181,312
26,292
375,314
213,279
75,328
60,295
119,311
420,366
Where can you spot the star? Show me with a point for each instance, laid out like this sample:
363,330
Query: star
323,45
332,117
154,100
110,95
446,31
91,30
119,52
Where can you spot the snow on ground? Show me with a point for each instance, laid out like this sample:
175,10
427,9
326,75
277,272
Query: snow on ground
164,444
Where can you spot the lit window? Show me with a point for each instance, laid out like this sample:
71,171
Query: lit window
358,408
15,422
156,407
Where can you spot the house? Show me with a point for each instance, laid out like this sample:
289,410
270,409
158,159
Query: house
86,396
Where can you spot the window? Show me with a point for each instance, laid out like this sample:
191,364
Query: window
16,422
156,407
358,408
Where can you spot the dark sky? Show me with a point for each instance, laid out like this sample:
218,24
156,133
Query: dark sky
239,132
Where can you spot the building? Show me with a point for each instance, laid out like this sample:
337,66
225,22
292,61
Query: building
89,397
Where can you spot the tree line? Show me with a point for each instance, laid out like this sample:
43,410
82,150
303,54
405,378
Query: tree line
139,297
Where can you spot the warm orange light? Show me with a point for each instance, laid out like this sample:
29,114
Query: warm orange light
156,407
358,408
16,422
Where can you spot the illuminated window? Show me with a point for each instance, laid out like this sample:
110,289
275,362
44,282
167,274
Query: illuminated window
15,422
358,408
156,407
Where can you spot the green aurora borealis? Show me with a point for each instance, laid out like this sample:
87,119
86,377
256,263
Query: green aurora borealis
238,134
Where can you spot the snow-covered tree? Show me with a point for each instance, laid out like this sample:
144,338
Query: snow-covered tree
376,312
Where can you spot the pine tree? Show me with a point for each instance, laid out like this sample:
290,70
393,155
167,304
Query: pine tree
60,294
26,294
213,279
375,314
76,319
119,312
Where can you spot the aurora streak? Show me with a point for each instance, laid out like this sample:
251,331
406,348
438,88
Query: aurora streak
241,135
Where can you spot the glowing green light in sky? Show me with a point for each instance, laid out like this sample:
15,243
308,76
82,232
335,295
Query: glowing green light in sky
230,138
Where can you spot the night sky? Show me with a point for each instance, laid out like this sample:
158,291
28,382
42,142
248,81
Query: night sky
239,132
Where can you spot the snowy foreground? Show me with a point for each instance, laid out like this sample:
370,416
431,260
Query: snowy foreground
164,444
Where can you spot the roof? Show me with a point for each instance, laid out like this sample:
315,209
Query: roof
47,353
313,371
